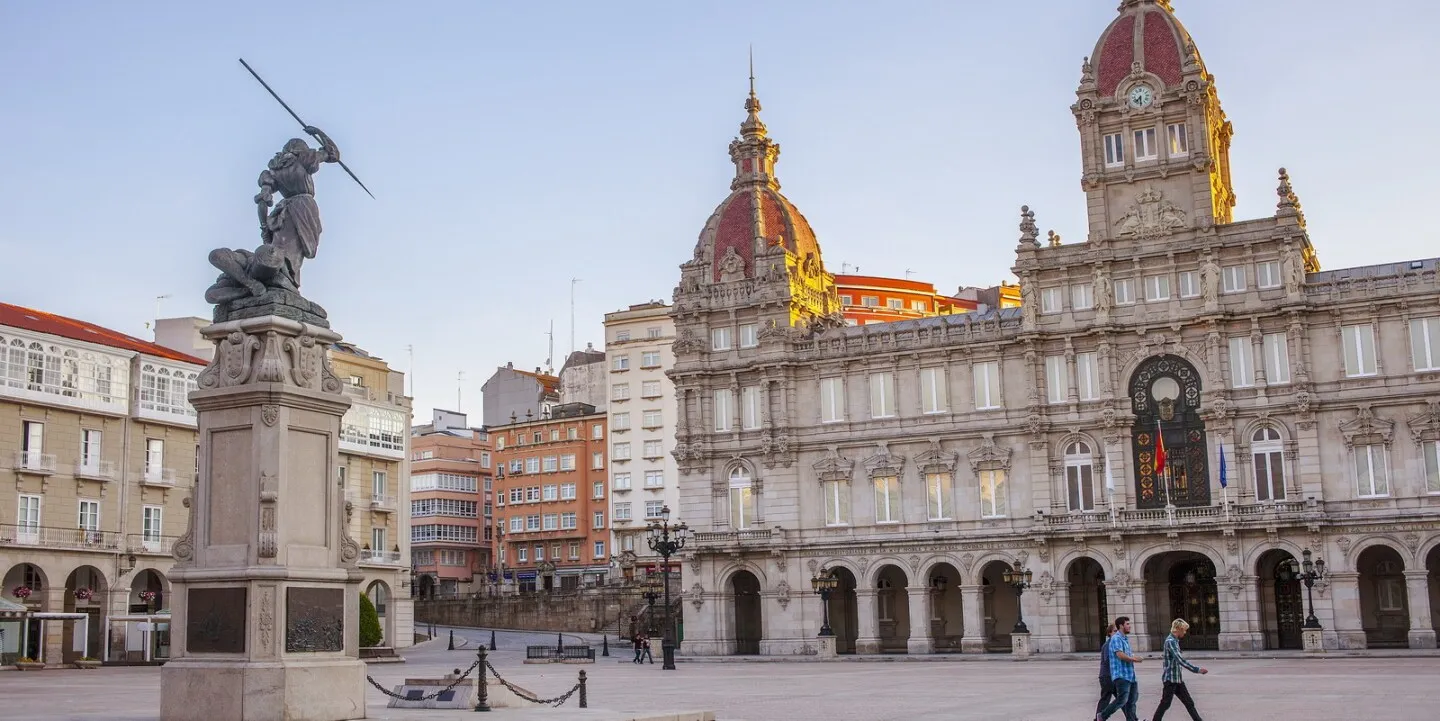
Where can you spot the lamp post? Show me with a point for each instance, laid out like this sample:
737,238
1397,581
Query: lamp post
1019,579
651,593
825,584
666,540
1312,572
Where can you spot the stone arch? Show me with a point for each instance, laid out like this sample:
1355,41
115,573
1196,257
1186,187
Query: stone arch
148,579
877,567
1186,582
16,576
1085,578
928,565
1281,607
976,570
1165,393
1386,540
383,599
727,574
1247,433
892,583
1251,559
841,562
1384,595
1422,553
1063,563
1097,446
1144,556
746,588
1151,349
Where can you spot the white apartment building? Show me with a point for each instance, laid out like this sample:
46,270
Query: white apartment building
641,415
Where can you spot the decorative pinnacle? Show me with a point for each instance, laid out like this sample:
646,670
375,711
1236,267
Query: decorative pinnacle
752,127
1029,232
1289,205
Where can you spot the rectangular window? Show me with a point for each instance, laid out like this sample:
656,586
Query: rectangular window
1087,375
1114,150
933,398
919,306
1269,462
1232,279
551,464
1242,363
599,549
652,419
650,389
597,431
847,300
1277,359
652,332
896,303
517,524
1359,341
1157,287
620,392
552,492
992,493
652,449
887,499
1371,478
597,461
1080,484
749,335
154,458
724,410
379,484
569,521
750,407
484,459
654,479
1267,274
28,519
567,462
532,494
832,400
1190,284
720,339
620,362
574,550
377,539
621,452
1179,140
598,490
650,359
567,491
90,450
532,522
882,395
522,554
870,301
551,521
620,482
1082,296
1050,300
89,515
653,508
1124,291
151,526
1055,386
532,465
1425,343
597,519
622,335
622,511
940,502
620,421
987,385
1145,145
1430,450
837,502
742,507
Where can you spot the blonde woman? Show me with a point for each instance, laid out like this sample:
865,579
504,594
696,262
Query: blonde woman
1170,673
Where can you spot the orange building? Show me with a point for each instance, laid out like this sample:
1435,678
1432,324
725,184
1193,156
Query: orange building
451,506
552,520
866,299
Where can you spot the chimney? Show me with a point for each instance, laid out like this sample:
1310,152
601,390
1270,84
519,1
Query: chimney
509,365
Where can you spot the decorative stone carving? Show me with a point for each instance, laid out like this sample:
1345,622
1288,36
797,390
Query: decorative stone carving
967,560
697,596
695,563
732,266
1122,584
914,564
779,557
349,549
184,548
1151,216
1365,427
989,453
884,463
782,594
270,350
1344,543
834,467
813,566
1210,280
937,460
266,547
266,626
1425,425
1234,577
1046,586
1029,231
1232,545
269,413
1412,541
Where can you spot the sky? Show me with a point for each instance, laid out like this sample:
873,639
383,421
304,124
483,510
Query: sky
513,147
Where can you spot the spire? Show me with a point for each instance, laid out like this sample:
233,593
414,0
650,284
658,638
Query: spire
754,153
752,127
1029,231
1289,205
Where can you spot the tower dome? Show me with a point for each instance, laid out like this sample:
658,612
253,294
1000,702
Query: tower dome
1146,37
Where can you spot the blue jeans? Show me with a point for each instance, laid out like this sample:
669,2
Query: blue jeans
1127,694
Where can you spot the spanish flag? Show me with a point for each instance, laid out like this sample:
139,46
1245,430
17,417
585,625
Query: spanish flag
1159,450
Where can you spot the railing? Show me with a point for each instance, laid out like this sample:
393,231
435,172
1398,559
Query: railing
157,477
559,653
387,558
48,537
34,461
1177,515
98,470
750,535
382,502
149,543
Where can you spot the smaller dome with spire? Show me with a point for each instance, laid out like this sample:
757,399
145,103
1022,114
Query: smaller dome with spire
1147,37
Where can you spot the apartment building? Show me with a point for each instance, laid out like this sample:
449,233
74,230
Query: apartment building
452,508
550,496
511,394
643,475
97,455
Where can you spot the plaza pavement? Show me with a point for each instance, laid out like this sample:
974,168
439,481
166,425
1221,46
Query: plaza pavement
1398,687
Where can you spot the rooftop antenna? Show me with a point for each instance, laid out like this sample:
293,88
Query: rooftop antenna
550,360
158,300
573,282
411,350
908,273
844,268
459,386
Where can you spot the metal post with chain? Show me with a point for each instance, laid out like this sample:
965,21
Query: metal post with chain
482,693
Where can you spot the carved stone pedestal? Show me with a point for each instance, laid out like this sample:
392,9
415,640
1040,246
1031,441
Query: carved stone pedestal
1020,646
825,647
1313,640
265,602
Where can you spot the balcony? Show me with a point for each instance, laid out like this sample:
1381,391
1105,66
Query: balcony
148,543
382,502
751,536
157,477
79,539
95,470
1182,516
35,462
369,557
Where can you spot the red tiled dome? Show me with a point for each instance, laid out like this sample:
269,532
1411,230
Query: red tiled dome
1146,32
736,222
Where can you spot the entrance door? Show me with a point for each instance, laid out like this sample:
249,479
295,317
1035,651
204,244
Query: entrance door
1194,596
746,590
1289,615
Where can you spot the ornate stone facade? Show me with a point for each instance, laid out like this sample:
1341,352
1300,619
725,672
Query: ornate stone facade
920,459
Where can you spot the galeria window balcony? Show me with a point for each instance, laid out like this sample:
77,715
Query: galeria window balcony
35,462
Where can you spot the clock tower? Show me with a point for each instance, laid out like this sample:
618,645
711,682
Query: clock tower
1155,144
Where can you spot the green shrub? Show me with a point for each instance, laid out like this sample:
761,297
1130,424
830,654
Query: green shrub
370,633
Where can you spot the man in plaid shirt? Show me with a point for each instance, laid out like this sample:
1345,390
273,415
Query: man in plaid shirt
1122,671
1171,672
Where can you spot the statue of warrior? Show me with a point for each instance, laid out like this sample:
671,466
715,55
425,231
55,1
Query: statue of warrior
290,232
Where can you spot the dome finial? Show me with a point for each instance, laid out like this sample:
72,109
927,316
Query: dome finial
752,127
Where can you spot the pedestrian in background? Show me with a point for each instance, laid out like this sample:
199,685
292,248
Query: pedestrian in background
1170,672
1107,684
1122,671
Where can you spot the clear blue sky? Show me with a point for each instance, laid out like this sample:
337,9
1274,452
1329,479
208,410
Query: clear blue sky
513,146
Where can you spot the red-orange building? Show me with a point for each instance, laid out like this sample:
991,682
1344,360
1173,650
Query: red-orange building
451,506
866,299
551,499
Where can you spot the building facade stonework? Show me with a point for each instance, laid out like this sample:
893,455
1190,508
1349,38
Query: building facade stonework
918,460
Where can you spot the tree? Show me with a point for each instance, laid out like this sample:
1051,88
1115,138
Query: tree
370,633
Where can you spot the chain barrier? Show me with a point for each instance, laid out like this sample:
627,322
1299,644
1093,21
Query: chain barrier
557,702
427,697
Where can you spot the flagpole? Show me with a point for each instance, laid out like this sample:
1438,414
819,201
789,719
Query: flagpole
1110,486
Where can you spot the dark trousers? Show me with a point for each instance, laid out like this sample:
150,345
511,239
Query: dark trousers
1127,693
645,654
1176,690
1107,694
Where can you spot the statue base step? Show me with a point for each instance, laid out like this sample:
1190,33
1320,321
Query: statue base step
277,302
321,689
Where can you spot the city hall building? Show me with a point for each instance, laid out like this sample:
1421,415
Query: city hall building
919,460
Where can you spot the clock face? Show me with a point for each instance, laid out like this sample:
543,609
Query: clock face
1141,96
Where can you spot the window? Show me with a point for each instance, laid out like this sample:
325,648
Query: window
620,392
28,519
1079,477
987,385
1050,300
1145,146
933,396
654,479
1277,359
742,499
1157,287
870,301
597,489
484,459
837,502
599,549
532,465
653,449
90,450
882,395
652,419
532,494
652,332
1267,274
992,493
567,491
597,461
887,499
1430,450
1179,141
551,521
517,495
620,421
377,539
597,519
1242,364
1425,343
650,389
1190,284
379,484
1082,296
422,507
1055,386
522,554
597,431
622,335
1087,375
567,462
896,303
1114,150
620,362
1371,478
550,464
720,339
89,515
940,502
919,306
532,522
33,444
500,443
621,452
569,520
750,407
620,482
1124,291
1268,454
446,482
724,409
552,492
1359,341
622,511
652,508
574,549
650,359
1232,279
832,400
151,527
517,524
154,459
749,335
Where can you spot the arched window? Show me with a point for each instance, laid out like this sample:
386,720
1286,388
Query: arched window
1080,477
742,499
1268,454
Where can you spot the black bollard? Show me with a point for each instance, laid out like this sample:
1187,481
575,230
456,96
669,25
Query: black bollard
482,696
492,641
605,648
584,699
452,640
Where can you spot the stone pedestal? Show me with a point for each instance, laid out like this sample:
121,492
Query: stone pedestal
1313,640
1020,646
265,599
825,646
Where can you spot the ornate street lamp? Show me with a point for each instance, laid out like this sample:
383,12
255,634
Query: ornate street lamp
667,540
651,592
1309,572
825,584
1019,579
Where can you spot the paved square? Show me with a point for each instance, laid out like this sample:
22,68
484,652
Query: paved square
992,688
